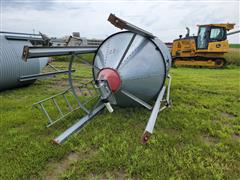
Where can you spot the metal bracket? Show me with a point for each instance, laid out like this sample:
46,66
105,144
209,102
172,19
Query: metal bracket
122,24
138,100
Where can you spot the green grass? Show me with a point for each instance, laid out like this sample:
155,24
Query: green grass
234,45
233,57
199,137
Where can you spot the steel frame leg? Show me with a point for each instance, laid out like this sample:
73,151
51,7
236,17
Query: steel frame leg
156,109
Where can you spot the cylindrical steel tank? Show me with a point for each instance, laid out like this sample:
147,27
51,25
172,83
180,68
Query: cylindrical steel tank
12,67
140,69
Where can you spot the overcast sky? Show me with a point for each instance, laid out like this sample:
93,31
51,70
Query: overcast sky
165,19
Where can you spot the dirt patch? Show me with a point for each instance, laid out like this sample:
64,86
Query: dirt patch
56,169
236,137
62,83
171,131
76,82
209,140
81,91
65,83
228,115
86,92
120,175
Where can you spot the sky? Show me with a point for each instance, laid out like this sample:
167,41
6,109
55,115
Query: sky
165,19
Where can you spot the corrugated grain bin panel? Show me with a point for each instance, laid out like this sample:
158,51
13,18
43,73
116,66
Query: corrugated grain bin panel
12,67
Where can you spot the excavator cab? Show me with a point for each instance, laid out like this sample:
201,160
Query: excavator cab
205,50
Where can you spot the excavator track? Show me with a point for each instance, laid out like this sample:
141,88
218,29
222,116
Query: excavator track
209,62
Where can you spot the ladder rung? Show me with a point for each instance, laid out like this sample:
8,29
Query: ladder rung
69,105
45,112
56,104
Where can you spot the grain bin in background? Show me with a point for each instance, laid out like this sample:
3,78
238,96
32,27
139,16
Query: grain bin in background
12,68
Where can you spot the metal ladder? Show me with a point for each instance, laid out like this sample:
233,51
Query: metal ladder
85,89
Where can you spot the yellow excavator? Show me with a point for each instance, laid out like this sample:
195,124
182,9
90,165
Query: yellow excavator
204,50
